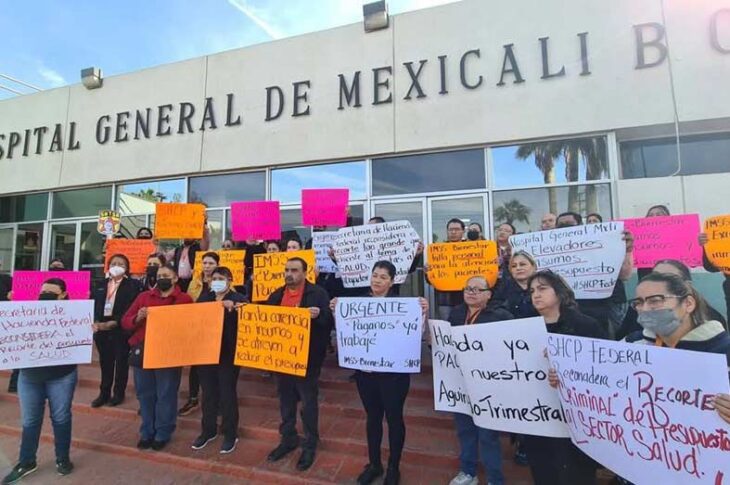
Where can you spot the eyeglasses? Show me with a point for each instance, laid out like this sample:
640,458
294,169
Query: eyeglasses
653,301
473,290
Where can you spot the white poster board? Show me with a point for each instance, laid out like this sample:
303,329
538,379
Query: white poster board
505,371
589,257
321,243
358,248
449,388
45,333
379,334
643,411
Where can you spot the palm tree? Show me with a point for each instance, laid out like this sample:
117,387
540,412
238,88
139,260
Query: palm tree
511,211
590,152
544,155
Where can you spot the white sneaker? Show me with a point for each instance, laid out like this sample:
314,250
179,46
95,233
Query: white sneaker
464,479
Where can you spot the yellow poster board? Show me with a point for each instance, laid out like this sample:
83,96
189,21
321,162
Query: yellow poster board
717,248
268,271
181,335
273,338
451,264
232,259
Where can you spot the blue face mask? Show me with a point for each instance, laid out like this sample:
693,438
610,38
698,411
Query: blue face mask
663,322
218,286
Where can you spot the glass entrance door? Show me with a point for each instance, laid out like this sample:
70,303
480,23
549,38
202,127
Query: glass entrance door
7,236
79,246
413,211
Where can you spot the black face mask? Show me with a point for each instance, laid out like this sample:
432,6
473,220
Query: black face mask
472,235
164,284
56,269
48,296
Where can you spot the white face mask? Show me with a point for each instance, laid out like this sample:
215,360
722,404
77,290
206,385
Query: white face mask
218,286
116,271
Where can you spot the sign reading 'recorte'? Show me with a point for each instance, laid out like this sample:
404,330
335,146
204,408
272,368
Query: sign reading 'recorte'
374,86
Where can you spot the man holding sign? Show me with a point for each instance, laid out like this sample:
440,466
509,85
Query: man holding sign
298,292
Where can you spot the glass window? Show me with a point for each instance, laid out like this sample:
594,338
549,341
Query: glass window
524,208
132,224
28,244
432,172
81,202
221,190
215,226
6,250
63,243
553,162
658,158
21,208
468,209
287,184
141,198
92,252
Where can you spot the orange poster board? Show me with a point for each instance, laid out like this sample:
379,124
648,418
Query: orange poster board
268,271
136,250
717,248
180,335
179,221
451,264
273,338
232,259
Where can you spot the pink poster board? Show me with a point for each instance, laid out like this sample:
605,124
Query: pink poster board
27,284
256,220
325,207
668,237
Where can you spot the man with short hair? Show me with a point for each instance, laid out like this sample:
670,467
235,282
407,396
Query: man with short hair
569,219
298,292
548,221
446,300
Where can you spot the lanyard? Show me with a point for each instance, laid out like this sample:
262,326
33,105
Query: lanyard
470,319
111,293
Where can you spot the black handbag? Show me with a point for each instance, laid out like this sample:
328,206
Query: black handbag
136,355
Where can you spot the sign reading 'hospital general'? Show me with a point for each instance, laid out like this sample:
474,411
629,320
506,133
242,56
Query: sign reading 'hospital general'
371,85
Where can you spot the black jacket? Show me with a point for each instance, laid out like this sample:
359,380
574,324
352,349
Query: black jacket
573,322
6,285
230,324
516,300
128,290
313,296
458,315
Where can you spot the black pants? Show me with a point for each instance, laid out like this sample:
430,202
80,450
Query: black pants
193,382
556,461
13,384
384,394
219,392
113,360
292,389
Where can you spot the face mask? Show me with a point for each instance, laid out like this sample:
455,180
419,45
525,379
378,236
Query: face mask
53,268
663,322
472,235
48,296
164,284
151,272
116,271
218,286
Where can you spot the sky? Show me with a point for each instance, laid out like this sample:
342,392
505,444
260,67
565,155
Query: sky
46,43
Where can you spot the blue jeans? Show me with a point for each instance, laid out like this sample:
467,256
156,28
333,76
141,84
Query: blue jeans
474,442
157,394
33,395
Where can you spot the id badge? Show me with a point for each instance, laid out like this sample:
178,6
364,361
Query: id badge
108,307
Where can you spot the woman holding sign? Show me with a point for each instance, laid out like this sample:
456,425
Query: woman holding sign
156,388
112,299
673,315
36,385
474,441
383,394
219,381
557,461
